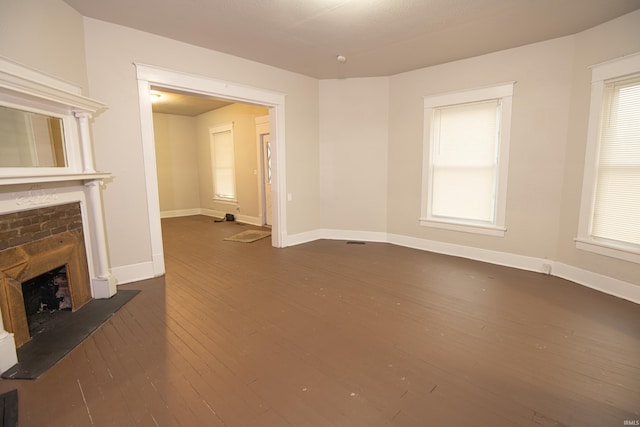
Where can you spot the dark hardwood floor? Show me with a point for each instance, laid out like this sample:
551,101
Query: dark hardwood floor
335,334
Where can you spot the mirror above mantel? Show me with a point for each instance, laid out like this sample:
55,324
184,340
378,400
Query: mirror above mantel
44,128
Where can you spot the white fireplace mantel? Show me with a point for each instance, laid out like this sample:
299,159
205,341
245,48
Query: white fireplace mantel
23,188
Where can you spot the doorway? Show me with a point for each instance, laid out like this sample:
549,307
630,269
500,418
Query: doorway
154,76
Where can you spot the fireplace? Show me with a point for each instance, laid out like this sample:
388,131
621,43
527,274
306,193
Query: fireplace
50,196
40,240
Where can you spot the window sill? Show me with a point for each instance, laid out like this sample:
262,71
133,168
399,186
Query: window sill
607,249
487,230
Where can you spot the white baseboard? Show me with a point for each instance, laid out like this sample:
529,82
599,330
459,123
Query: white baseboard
212,213
360,236
597,281
300,238
133,272
180,212
245,219
586,278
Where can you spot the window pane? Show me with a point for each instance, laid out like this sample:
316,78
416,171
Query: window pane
223,165
464,161
616,213
463,193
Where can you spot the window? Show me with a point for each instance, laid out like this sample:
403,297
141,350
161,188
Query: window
466,150
610,210
223,163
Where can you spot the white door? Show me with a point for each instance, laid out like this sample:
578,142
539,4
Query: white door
266,167
264,161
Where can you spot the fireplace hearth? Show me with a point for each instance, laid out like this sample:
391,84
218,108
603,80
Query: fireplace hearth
49,242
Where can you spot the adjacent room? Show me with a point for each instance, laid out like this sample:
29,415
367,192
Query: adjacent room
448,195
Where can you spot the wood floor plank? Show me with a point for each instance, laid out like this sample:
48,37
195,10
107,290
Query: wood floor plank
332,334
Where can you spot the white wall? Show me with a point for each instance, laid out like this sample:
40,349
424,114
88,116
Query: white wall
111,51
46,35
354,115
176,160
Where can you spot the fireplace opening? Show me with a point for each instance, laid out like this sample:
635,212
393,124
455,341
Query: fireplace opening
46,297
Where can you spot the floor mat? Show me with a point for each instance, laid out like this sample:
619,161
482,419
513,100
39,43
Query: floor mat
249,236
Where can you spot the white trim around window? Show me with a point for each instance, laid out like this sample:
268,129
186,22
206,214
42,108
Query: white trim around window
602,74
493,223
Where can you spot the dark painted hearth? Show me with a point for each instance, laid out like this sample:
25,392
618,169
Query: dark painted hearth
63,334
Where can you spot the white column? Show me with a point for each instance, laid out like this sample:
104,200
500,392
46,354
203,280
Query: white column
85,141
8,354
103,285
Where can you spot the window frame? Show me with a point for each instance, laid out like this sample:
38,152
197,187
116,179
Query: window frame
227,127
502,92
601,75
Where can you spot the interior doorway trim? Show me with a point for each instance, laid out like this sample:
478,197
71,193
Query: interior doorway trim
149,75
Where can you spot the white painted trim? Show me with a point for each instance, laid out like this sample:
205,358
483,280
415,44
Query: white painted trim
134,272
469,95
151,174
262,128
577,275
625,253
304,237
506,259
148,75
247,219
504,93
360,236
488,230
600,74
212,213
599,282
180,212
616,67
14,68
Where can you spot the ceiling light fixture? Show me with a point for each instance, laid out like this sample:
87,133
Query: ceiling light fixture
155,95
341,59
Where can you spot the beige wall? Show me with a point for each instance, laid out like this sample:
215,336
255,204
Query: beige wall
549,128
538,134
354,115
46,35
604,42
111,53
176,160
246,157
548,137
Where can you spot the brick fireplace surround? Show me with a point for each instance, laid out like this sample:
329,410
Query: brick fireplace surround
33,242
50,216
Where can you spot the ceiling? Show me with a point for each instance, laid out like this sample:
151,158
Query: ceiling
377,37
170,101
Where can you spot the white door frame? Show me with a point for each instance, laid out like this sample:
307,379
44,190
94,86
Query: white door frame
149,75
262,125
